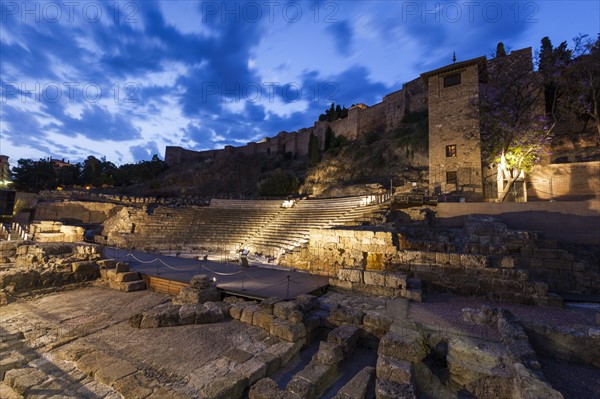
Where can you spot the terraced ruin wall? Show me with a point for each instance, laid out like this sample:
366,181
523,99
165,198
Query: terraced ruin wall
576,222
512,272
76,211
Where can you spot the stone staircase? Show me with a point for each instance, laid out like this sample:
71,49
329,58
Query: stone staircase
116,275
223,226
326,374
290,229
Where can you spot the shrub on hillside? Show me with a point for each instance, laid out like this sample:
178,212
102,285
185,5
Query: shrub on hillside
279,184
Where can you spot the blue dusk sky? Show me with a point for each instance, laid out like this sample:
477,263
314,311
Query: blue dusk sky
124,79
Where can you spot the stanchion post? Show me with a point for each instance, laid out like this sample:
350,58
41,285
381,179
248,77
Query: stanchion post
243,271
157,272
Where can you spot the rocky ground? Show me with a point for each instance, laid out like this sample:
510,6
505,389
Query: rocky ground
82,338
80,344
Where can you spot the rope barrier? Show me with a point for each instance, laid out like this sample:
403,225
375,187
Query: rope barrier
175,268
160,261
242,270
139,260
262,281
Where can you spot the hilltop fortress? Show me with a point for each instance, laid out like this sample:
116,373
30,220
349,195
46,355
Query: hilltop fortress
450,96
361,119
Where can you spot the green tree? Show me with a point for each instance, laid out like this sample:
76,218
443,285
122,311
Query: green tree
332,116
279,184
552,62
30,175
98,172
329,138
500,51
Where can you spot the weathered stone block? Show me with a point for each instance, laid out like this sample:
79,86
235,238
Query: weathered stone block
86,269
406,344
231,385
252,369
312,321
329,353
345,285
352,275
107,264
346,336
265,388
110,374
474,261
262,320
391,369
11,360
285,351
131,286
200,281
284,309
296,316
374,278
357,387
271,361
345,315
127,276
187,314
267,305
207,315
377,323
133,386
287,330
307,302
392,390
236,311
395,280
248,313
22,380
312,380
122,267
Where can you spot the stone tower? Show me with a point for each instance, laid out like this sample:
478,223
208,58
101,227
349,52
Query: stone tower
454,129
4,169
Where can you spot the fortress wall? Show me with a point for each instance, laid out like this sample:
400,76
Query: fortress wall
302,139
416,90
371,119
347,127
387,114
395,107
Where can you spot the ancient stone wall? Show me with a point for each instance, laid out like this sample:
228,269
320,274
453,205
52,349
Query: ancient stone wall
49,231
76,211
332,249
26,267
564,181
579,221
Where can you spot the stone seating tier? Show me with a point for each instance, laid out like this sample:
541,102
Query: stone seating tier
260,226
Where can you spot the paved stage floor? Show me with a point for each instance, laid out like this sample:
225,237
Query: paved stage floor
254,281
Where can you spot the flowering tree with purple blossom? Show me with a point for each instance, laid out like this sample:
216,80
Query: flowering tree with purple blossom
514,129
